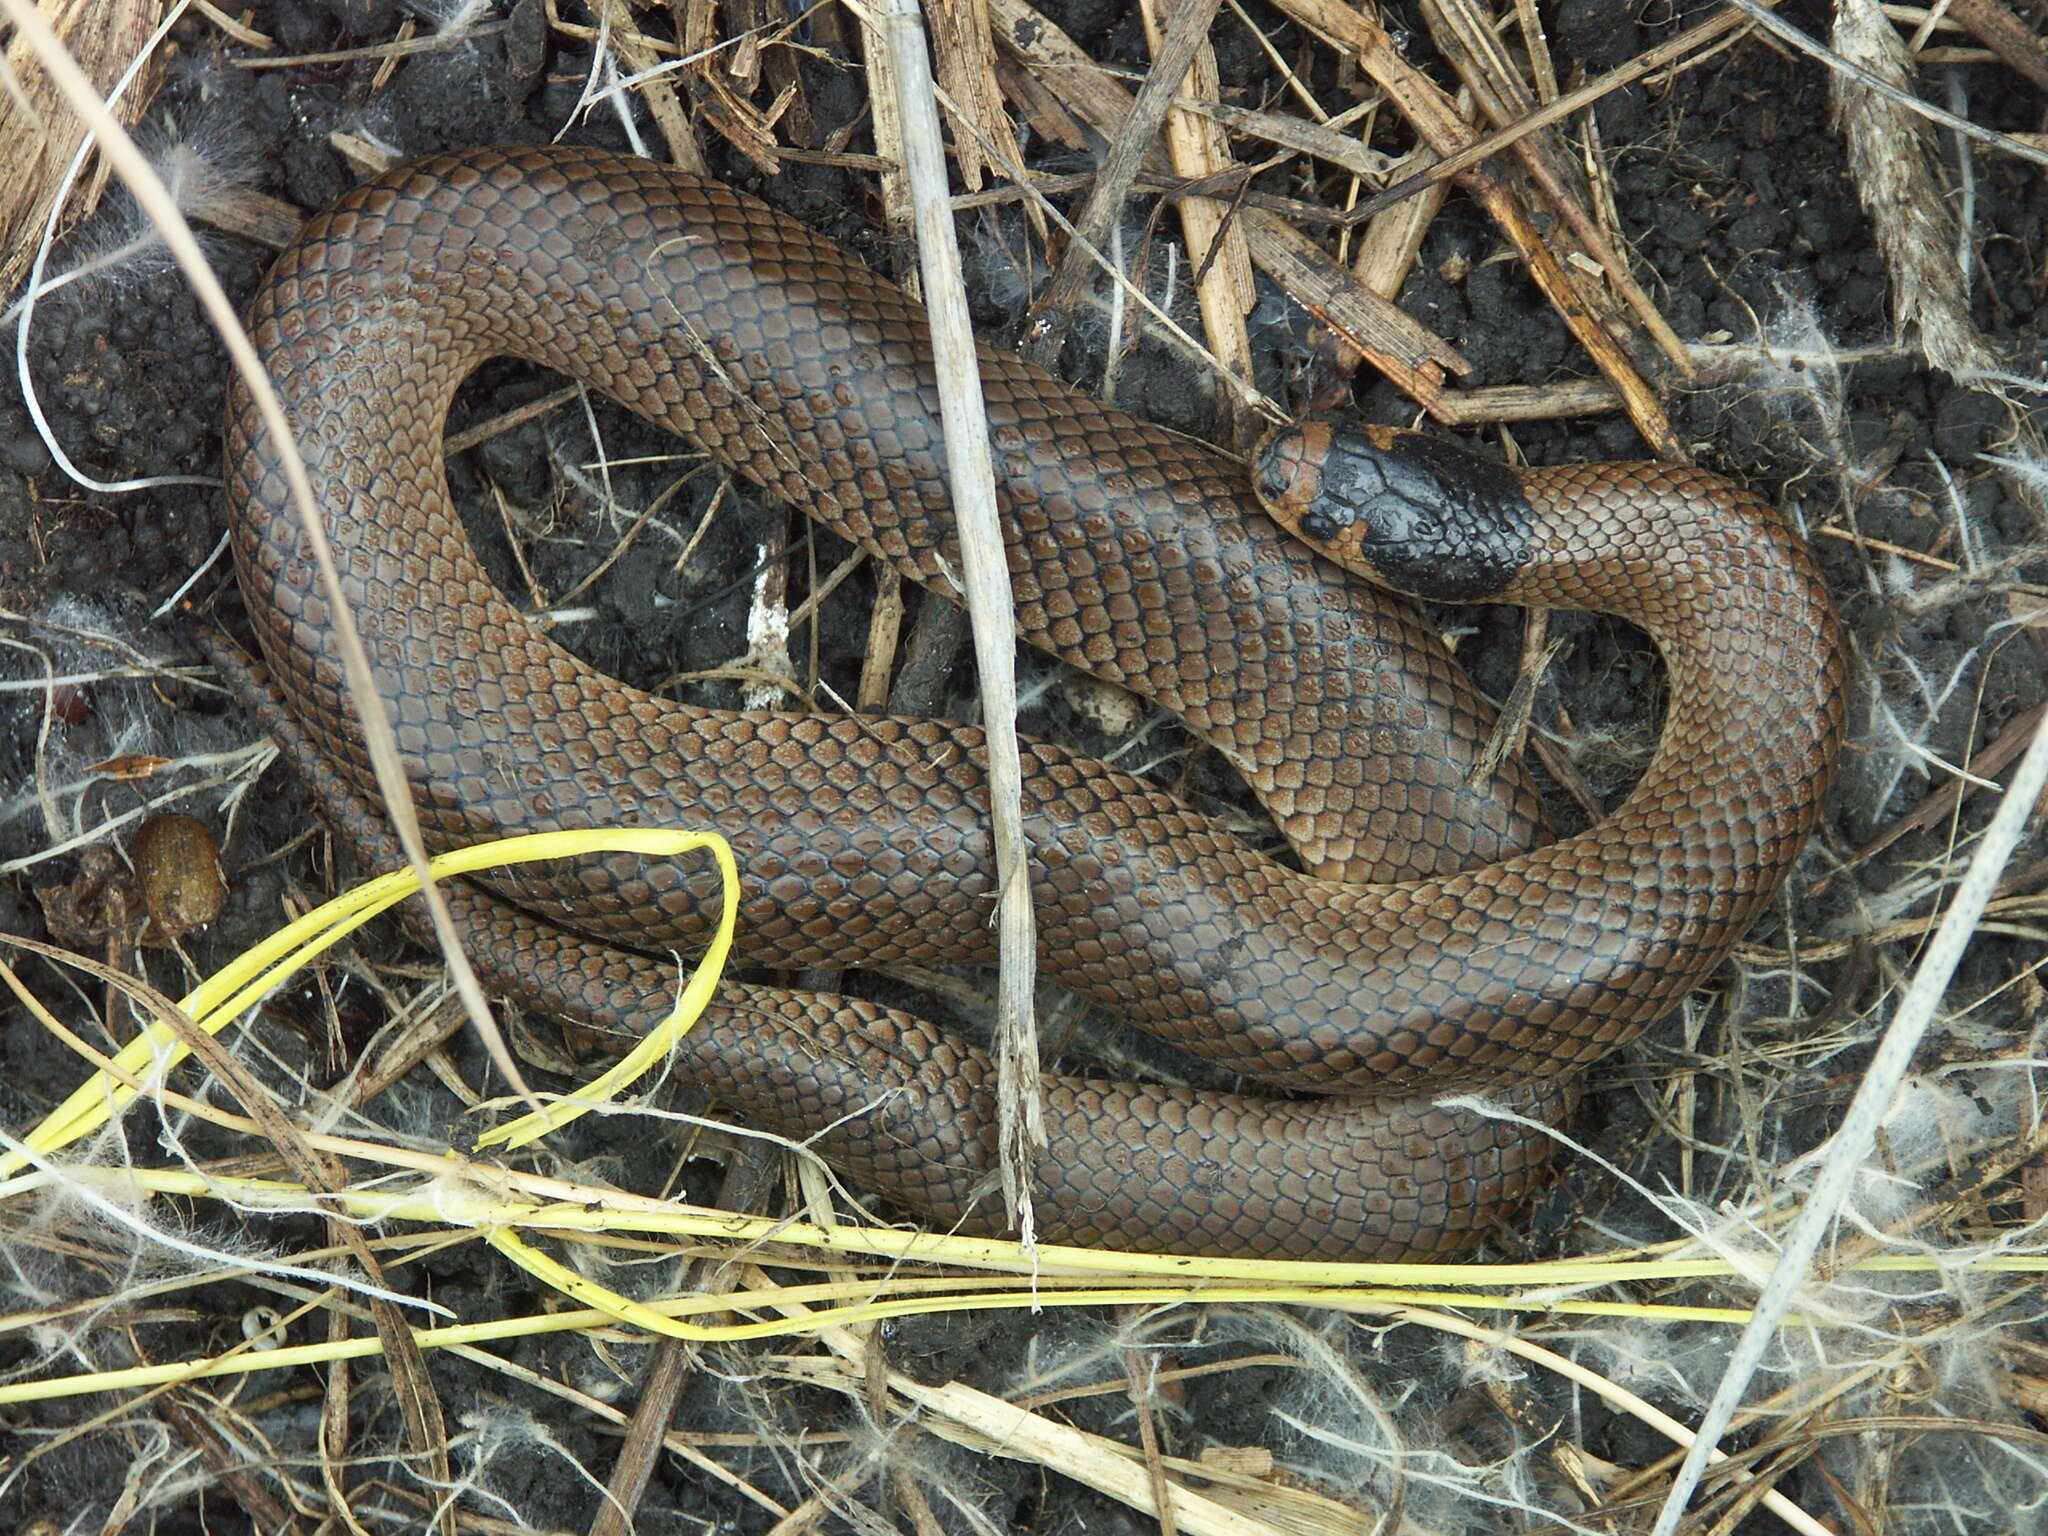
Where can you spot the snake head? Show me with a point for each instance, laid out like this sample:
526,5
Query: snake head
1401,509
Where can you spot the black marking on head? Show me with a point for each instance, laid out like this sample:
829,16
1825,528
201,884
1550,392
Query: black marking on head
1434,520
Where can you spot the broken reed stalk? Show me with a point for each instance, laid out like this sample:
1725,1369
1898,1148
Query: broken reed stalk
985,583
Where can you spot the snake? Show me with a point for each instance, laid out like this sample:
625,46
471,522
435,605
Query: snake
1420,946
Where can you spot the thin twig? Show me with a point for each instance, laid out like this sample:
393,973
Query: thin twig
985,583
2006,35
1642,64
1185,33
434,42
749,1181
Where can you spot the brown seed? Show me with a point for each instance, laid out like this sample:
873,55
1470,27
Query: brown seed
177,864
71,704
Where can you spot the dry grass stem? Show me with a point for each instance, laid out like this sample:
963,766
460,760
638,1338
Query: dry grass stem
1469,42
106,37
1847,1149
659,94
1324,141
2007,37
885,630
1565,400
1198,148
1888,158
748,1184
1131,144
985,582
1695,40
966,55
404,46
2020,146
1444,130
1376,329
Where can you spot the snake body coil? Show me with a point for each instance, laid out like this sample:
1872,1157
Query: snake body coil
1135,554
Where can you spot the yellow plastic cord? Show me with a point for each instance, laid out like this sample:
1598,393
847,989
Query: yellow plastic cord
237,986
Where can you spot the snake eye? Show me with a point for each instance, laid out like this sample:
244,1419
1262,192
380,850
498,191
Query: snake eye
1318,527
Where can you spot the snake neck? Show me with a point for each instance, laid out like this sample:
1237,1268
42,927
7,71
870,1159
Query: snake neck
1641,906
1713,574
1552,959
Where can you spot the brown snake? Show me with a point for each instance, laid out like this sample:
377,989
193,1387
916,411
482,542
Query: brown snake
1137,555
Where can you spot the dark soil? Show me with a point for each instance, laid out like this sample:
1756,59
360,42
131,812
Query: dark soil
1733,188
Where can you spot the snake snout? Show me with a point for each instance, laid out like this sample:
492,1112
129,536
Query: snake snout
1287,472
1273,464
1272,481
